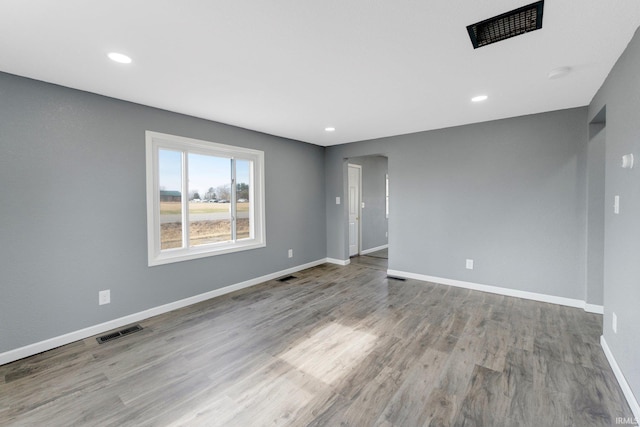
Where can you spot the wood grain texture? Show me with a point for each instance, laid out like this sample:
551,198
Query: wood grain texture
334,346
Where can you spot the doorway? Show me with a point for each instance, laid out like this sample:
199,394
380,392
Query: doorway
366,196
596,175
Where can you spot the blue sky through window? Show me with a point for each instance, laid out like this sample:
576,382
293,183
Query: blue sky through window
204,171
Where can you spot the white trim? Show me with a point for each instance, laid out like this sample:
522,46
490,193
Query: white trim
39,347
386,196
51,343
368,251
624,385
338,261
570,302
593,308
358,203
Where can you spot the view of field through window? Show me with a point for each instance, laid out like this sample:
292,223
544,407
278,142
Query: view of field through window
211,201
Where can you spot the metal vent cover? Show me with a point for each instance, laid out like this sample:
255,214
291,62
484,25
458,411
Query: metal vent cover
510,24
118,334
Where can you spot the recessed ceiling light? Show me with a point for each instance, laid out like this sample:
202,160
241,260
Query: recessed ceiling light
119,57
556,73
479,98
329,129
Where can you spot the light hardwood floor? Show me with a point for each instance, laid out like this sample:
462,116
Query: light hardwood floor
334,346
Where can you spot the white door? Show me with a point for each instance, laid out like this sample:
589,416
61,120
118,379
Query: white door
355,172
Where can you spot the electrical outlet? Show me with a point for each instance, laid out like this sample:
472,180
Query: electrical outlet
614,323
362,205
104,297
386,234
469,264
337,200
290,253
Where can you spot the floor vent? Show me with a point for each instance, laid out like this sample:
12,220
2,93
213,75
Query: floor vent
285,278
118,334
402,279
510,24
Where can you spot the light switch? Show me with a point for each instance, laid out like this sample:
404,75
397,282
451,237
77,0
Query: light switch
337,200
616,204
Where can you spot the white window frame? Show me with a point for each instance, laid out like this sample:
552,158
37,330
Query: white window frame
154,143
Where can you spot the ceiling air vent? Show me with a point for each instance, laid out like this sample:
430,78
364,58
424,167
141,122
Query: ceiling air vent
510,24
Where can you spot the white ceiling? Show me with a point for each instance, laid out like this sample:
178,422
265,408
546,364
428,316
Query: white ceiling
370,68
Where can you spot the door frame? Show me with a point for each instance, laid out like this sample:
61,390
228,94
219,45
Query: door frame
358,204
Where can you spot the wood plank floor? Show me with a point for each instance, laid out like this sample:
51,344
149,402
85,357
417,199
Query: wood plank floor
333,346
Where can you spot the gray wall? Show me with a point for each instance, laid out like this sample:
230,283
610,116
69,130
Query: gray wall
510,194
621,95
595,218
374,220
73,211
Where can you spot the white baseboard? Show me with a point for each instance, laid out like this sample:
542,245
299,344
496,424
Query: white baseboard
624,385
376,249
593,308
338,261
39,347
570,302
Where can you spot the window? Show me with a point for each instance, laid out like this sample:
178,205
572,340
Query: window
203,198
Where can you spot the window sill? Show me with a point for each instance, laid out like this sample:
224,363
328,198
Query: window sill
179,255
